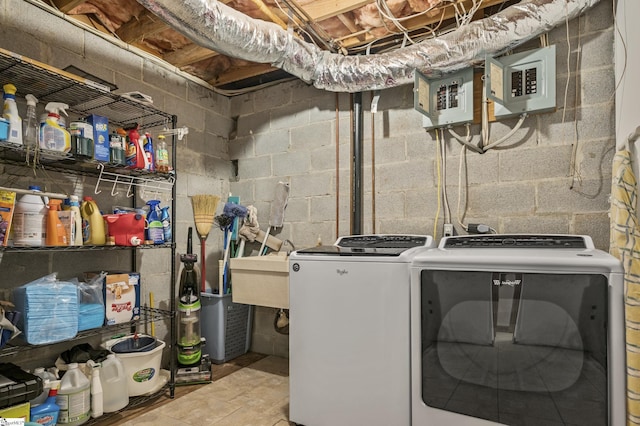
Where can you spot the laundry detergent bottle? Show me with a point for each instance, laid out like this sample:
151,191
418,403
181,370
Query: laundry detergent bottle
93,230
73,203
56,234
10,112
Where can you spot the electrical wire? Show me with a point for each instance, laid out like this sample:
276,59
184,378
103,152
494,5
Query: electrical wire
463,161
435,220
508,135
443,155
466,141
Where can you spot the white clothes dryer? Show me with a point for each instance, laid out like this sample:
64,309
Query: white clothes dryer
517,330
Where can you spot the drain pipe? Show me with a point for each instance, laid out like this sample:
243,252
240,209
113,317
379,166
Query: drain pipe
356,164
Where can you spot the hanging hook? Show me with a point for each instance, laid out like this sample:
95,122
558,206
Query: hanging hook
129,193
96,190
113,189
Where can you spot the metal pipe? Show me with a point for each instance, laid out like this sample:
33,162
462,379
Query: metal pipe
357,161
225,30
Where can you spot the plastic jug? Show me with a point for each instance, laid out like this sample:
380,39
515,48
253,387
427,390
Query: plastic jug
56,234
115,389
73,203
126,229
29,220
93,232
47,378
74,397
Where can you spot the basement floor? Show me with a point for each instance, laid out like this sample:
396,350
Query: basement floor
251,390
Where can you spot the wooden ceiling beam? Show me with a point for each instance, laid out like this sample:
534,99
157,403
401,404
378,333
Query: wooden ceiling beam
145,25
188,55
65,6
323,9
234,74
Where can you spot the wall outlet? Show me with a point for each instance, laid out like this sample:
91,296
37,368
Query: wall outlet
448,230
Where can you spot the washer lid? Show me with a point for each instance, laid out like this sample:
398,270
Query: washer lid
371,245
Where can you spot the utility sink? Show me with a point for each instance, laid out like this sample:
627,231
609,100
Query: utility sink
261,280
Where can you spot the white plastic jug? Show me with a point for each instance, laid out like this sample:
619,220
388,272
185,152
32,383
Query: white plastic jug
115,391
74,397
29,220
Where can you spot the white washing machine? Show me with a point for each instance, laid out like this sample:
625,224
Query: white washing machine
349,357
517,330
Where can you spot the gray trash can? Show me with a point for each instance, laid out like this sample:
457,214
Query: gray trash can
226,326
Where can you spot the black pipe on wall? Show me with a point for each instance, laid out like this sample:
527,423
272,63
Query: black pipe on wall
356,164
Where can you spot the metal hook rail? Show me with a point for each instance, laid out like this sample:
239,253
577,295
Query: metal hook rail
129,181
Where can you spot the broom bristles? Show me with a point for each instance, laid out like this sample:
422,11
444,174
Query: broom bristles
204,210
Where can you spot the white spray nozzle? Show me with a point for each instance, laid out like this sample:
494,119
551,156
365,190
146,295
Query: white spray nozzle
31,100
57,108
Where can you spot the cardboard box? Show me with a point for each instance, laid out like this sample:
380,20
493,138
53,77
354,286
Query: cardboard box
261,280
7,205
121,291
100,137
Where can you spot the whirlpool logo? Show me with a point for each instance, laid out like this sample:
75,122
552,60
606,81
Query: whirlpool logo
506,279
342,272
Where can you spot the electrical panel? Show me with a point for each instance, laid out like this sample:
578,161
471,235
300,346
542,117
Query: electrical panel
444,101
523,82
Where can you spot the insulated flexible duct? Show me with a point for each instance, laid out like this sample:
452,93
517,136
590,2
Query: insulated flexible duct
218,27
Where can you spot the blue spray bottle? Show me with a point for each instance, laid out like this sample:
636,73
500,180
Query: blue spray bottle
165,218
155,231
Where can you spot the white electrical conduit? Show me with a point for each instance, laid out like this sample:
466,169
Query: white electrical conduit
508,135
466,141
225,30
445,200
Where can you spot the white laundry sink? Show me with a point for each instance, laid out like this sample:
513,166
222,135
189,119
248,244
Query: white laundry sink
261,280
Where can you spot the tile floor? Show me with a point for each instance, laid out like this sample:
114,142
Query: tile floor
256,395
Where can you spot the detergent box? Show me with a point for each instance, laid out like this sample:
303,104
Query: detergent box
7,204
100,137
121,291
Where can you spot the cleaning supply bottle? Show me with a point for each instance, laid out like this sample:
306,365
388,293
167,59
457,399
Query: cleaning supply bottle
10,112
115,389
93,231
162,156
116,148
74,397
97,395
73,203
165,218
29,220
47,379
149,163
56,235
135,150
53,135
31,126
47,413
155,230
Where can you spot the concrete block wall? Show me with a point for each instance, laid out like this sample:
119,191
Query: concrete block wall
203,164
295,133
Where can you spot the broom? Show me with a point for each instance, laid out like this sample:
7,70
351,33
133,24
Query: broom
204,210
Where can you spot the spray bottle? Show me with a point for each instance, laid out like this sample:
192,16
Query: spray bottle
165,218
10,112
155,231
150,163
189,343
53,136
31,128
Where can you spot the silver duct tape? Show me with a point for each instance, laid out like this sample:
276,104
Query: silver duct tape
225,30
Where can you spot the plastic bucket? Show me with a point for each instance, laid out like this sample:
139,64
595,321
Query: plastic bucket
142,368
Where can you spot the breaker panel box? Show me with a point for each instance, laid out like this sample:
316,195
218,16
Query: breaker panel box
445,101
523,82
